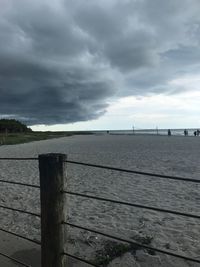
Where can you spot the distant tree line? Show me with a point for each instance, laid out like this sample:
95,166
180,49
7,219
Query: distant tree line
13,126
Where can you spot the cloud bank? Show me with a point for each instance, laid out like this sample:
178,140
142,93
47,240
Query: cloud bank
63,60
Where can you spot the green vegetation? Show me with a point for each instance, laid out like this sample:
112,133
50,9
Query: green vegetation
18,138
12,126
14,132
112,250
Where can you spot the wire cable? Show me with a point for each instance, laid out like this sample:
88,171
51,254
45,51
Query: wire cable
15,260
136,172
134,205
18,158
19,210
19,183
20,236
134,243
79,259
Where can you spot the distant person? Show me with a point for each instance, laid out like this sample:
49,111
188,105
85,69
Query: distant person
133,130
186,132
195,133
198,132
169,132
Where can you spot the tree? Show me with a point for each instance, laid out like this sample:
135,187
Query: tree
12,126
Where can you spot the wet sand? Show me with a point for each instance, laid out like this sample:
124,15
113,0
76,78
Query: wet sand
178,156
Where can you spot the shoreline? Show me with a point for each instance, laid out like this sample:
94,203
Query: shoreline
23,138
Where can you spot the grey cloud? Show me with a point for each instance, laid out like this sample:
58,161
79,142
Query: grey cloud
132,52
61,61
186,55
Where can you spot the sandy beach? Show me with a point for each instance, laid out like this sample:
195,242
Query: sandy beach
177,156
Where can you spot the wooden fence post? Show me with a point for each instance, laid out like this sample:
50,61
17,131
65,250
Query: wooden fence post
52,182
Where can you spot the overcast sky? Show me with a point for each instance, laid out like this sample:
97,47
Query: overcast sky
100,64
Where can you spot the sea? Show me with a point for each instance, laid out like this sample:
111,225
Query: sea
156,131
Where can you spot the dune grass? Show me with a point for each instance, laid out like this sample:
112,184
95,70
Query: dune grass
112,249
18,138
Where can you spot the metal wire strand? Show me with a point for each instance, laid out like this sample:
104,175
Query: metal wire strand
19,183
134,205
161,176
134,243
20,236
79,259
19,210
18,158
15,260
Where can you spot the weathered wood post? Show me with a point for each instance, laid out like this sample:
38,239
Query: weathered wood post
52,183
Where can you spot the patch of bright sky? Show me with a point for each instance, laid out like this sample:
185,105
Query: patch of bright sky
192,81
162,111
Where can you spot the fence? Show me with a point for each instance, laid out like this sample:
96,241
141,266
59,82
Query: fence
52,188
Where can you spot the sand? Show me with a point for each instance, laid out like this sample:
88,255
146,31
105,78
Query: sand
178,156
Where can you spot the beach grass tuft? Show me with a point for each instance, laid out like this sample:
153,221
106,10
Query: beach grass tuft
112,249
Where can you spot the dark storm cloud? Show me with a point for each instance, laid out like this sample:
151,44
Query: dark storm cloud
61,61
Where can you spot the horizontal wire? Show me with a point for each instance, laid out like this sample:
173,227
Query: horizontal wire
136,172
18,158
13,259
79,259
19,210
134,205
18,183
20,236
134,243
120,169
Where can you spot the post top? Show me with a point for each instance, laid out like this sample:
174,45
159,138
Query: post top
53,156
